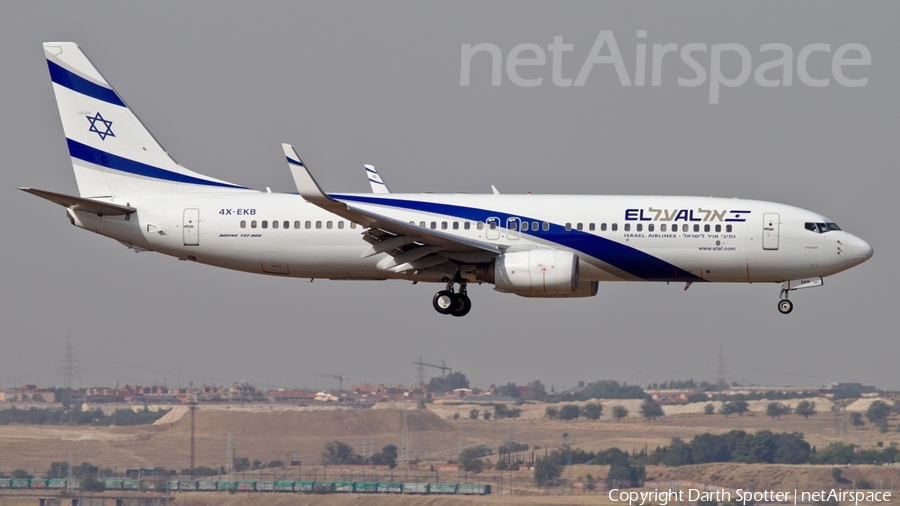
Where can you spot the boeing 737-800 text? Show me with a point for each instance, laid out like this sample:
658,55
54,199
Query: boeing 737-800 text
131,190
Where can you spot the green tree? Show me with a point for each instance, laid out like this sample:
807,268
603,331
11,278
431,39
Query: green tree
709,409
487,415
678,453
337,453
620,412
569,412
592,411
651,410
776,410
470,460
551,412
536,391
856,419
473,415
806,409
546,471
90,483
509,390
740,405
386,457
878,412
448,383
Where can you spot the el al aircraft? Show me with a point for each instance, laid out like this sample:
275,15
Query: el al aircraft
131,190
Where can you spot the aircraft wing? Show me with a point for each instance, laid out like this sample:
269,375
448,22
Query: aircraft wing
400,233
97,207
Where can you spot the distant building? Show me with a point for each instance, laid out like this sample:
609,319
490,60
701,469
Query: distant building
27,393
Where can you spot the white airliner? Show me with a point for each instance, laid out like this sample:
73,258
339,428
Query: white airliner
131,190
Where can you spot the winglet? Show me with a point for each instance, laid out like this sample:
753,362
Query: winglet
308,188
378,184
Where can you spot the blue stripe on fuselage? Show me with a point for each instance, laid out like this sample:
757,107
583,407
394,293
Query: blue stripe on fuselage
69,79
620,256
109,160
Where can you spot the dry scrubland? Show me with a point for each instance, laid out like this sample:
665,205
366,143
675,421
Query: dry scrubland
268,433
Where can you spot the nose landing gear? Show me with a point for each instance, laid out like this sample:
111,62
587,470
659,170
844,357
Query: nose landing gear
453,303
785,306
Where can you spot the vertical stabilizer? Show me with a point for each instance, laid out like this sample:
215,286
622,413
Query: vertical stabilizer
113,154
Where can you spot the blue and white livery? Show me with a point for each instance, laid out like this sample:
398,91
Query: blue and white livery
131,190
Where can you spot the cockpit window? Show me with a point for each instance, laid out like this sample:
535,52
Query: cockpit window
821,228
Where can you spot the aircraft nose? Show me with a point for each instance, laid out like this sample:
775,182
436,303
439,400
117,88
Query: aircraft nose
858,250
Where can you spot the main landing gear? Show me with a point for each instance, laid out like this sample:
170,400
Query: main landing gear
452,303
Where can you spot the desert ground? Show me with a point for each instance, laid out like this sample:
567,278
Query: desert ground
435,435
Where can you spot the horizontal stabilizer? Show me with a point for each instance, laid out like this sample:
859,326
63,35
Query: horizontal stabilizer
82,204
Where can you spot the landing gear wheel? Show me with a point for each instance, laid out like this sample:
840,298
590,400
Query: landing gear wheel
785,306
463,305
444,302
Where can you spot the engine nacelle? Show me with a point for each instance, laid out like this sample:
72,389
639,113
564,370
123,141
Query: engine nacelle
585,289
536,273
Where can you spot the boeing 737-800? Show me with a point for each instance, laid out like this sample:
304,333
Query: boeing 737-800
131,190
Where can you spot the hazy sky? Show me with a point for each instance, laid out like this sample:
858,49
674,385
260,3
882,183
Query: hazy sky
221,84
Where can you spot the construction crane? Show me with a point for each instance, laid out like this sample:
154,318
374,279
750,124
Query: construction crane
422,365
341,379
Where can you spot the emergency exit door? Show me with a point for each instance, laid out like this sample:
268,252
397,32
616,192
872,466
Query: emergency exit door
770,231
191,227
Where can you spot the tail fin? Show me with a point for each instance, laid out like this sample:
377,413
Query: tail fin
378,184
113,154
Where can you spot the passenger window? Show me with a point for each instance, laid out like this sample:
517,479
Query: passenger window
640,227
706,228
728,228
422,224
341,225
480,226
591,227
443,225
265,223
524,226
318,224
308,224
275,224
603,227
546,226
297,224
243,223
455,225
718,228
684,228
650,228
615,226
352,225
662,227
286,224
535,226
568,227
580,226
253,224
628,227
696,228
467,225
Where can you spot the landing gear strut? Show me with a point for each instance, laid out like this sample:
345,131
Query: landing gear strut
785,306
453,303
